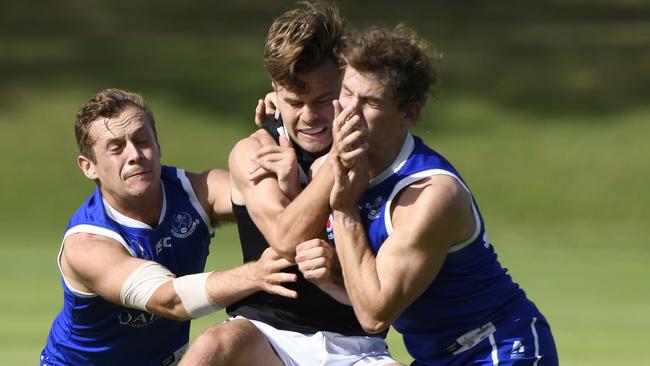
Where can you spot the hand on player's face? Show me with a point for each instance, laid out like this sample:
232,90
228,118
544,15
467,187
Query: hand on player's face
266,108
350,133
349,183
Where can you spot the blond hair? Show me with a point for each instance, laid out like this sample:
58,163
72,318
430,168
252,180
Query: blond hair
300,40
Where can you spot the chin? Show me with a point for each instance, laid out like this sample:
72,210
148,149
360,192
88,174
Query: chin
316,147
141,188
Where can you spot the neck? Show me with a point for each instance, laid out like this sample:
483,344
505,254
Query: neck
380,158
146,208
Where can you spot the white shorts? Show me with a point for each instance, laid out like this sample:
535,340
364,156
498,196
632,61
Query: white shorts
325,348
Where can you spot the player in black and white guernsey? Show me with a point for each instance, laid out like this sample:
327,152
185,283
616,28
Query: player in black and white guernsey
318,327
409,235
305,313
133,254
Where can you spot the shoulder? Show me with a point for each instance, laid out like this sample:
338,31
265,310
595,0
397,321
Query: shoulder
212,190
92,217
239,158
441,191
440,184
86,241
251,143
438,204
83,250
208,178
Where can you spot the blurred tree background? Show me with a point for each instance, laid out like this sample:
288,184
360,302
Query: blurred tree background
543,106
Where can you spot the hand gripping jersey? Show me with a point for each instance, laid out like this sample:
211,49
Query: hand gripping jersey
313,310
470,291
92,331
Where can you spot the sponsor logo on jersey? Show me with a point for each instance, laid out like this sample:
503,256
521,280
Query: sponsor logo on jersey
517,350
471,338
328,229
165,242
183,225
136,319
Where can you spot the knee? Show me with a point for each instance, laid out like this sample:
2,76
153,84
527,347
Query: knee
217,346
210,348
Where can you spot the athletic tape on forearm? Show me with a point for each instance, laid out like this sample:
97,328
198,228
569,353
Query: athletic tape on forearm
193,292
142,283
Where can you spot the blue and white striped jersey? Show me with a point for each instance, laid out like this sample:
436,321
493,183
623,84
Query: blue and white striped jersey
471,287
92,331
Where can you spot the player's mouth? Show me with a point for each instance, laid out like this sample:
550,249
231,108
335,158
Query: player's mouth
314,133
136,174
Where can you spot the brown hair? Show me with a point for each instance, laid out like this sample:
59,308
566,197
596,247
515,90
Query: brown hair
300,40
398,57
106,104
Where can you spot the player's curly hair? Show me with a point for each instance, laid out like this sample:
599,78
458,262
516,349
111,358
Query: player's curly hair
300,40
398,57
106,104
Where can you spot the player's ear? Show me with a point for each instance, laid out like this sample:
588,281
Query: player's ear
87,167
412,114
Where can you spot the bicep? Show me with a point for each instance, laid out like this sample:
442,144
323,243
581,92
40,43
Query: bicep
406,265
99,264
219,194
212,189
427,220
263,198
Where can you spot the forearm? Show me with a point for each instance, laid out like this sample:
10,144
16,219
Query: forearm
359,266
193,296
225,288
305,217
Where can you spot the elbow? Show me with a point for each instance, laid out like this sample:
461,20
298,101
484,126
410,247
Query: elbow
179,313
374,326
171,311
166,305
283,245
286,251
373,322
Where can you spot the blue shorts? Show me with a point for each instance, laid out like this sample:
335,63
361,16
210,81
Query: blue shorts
508,340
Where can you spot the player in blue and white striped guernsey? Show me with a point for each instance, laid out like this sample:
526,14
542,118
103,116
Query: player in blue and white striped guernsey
133,254
408,233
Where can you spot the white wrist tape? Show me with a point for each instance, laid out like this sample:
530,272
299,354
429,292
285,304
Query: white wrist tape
193,292
142,283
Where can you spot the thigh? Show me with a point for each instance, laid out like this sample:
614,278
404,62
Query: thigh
525,341
232,343
326,348
515,342
509,341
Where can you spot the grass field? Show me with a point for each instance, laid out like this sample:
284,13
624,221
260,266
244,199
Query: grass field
544,113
